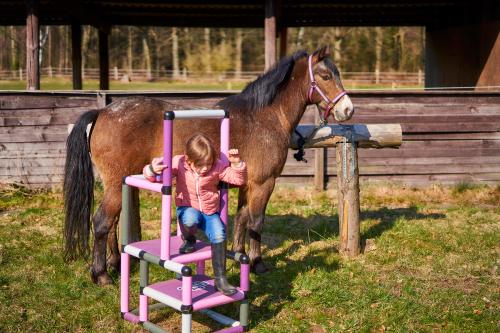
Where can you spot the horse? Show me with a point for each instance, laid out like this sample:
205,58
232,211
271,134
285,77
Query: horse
127,134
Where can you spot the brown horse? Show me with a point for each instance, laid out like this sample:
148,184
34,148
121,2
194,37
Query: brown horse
127,134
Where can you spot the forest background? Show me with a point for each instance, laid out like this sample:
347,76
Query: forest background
171,52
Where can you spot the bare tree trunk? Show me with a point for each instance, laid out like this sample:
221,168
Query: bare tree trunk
175,53
237,58
85,48
147,58
337,47
188,46
402,55
43,40
300,38
49,50
129,52
156,62
62,49
207,50
14,64
378,52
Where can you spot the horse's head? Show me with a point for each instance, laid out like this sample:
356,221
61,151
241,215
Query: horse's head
326,89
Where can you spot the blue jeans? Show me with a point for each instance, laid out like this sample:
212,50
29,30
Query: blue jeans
211,225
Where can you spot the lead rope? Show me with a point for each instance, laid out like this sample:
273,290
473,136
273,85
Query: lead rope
299,155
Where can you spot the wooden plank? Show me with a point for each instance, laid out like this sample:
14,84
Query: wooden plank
60,116
24,171
414,153
428,169
428,160
41,101
47,179
32,150
33,133
405,119
451,136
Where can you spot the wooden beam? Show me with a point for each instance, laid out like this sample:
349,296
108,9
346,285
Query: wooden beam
103,61
32,47
270,34
76,55
365,135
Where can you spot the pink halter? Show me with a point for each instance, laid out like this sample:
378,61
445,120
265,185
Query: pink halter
314,86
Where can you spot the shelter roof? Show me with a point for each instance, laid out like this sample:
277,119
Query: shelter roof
248,13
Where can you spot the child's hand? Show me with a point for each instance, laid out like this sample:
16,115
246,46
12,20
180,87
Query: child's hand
234,156
157,166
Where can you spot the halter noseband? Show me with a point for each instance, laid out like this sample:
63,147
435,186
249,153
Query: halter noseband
314,86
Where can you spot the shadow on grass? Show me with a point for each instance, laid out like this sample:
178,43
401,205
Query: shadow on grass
279,228
275,289
389,216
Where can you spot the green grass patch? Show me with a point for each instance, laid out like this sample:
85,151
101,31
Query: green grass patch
430,265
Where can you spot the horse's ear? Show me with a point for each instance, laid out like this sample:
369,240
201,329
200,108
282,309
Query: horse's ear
322,52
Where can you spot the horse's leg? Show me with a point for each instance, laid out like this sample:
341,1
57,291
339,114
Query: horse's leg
113,262
257,197
104,221
135,227
240,222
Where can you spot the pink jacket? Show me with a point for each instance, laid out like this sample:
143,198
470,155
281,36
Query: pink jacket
201,192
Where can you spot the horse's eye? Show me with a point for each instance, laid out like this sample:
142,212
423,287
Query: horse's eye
326,77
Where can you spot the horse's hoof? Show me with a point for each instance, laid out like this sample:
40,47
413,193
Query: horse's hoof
102,279
259,267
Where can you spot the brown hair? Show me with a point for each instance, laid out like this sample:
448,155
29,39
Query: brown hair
200,150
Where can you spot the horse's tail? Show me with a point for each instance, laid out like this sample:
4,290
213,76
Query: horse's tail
78,188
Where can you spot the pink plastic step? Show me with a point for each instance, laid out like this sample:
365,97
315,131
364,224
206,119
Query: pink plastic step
204,293
202,250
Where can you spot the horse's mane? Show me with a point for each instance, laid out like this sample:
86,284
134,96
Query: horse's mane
263,90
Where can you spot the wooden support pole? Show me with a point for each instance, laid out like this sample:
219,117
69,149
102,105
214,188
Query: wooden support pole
103,60
270,33
283,44
348,198
319,163
32,47
76,55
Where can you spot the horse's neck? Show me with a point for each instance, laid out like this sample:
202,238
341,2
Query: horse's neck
290,105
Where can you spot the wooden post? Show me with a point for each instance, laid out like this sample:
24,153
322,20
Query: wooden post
347,139
348,198
32,47
283,37
76,55
103,60
270,34
319,163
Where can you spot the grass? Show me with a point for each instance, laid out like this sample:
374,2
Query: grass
65,84
430,265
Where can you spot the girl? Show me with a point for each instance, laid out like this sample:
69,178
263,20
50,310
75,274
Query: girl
198,173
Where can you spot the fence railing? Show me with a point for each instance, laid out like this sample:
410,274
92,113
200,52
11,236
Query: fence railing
120,74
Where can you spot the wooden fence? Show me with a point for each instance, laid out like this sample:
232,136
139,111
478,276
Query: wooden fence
448,137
